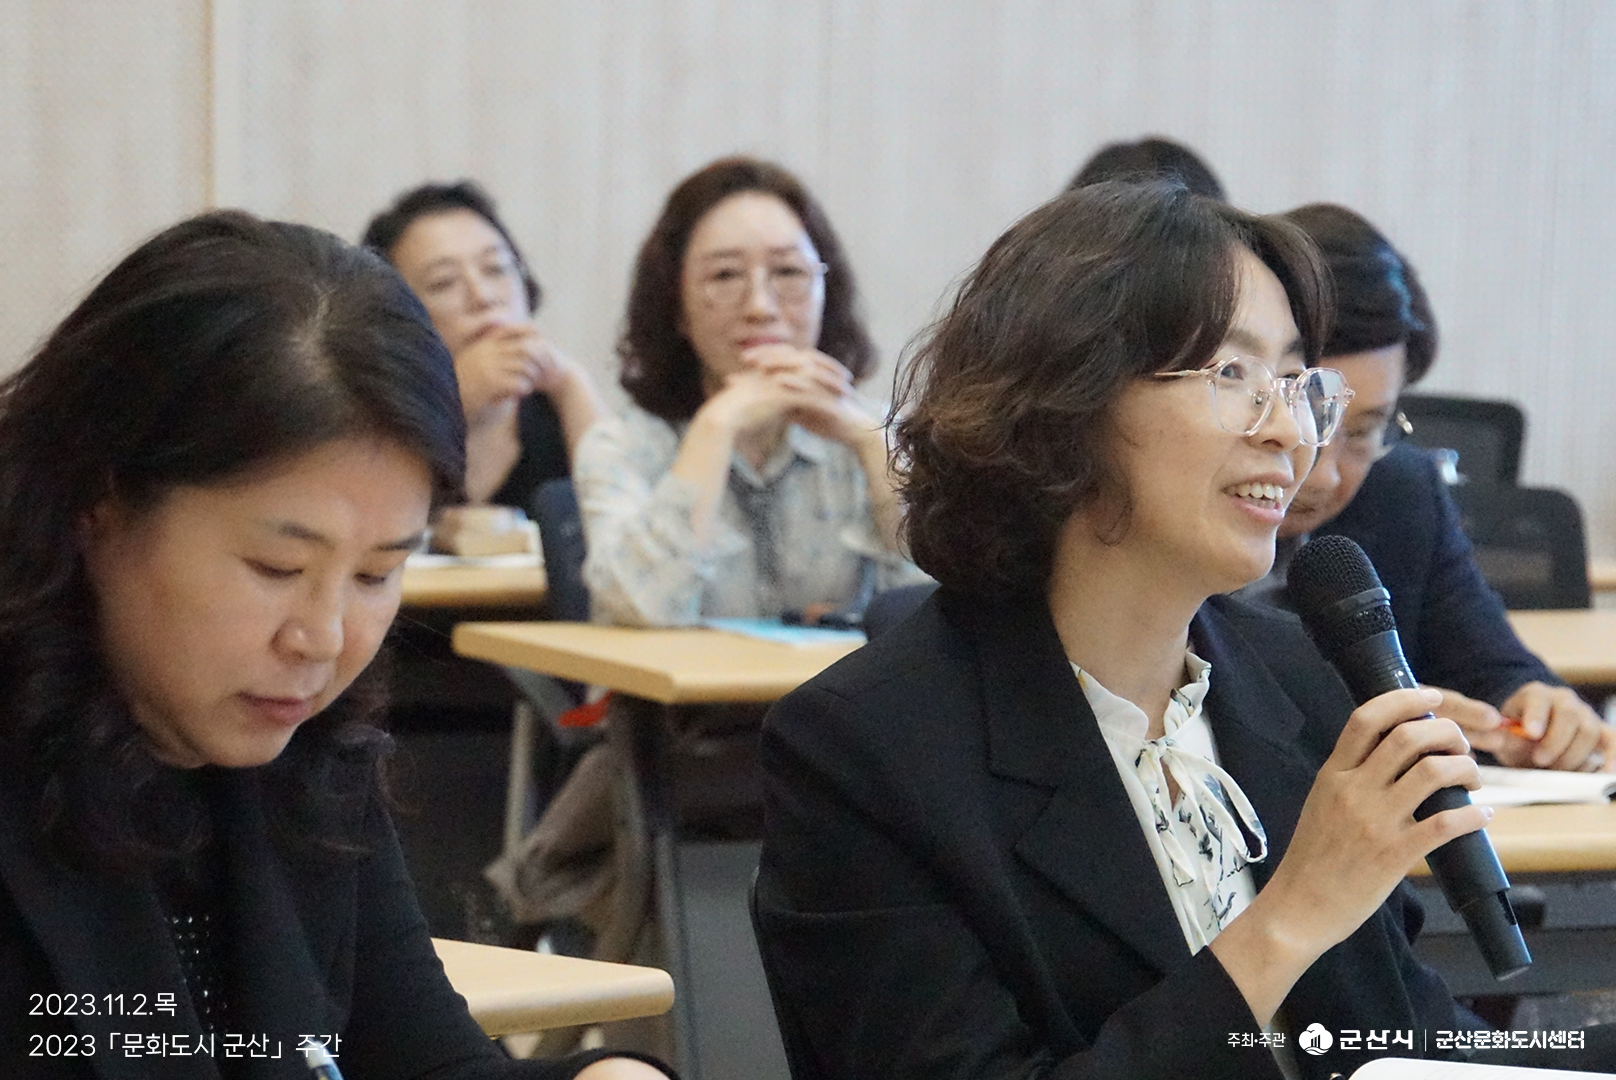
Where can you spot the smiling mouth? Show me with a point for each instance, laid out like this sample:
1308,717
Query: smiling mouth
1269,496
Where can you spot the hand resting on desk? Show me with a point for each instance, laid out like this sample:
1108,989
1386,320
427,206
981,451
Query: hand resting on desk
1562,730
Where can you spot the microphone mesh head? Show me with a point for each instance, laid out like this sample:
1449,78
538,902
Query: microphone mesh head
1328,570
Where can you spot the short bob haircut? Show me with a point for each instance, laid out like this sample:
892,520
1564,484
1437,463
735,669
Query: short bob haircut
1005,403
387,228
219,349
1151,158
1379,298
661,371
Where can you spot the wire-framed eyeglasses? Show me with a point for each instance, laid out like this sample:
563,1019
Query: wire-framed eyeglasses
1369,444
789,281
1244,389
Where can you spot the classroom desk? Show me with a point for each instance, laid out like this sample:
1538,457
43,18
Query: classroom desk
1579,646
512,991
723,1022
1602,575
1561,862
670,667
1566,839
473,586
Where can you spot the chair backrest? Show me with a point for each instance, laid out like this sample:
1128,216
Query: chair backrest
798,1058
887,609
561,535
1528,543
1486,435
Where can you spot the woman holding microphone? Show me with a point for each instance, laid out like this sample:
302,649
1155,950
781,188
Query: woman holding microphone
1094,834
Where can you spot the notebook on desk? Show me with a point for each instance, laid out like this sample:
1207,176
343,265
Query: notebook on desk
1523,787
785,634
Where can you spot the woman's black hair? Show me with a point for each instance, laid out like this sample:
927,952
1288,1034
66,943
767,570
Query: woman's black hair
1152,158
388,227
1004,425
217,349
661,371
1379,298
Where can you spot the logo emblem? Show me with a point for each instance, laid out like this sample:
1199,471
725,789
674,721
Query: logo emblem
1316,1039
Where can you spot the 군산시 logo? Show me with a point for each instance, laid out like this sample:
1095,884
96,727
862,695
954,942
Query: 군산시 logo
1316,1039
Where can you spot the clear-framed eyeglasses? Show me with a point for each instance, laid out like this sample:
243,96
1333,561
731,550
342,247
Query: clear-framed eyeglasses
789,281
1374,441
1244,389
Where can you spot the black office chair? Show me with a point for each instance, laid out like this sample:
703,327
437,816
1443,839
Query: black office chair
561,534
1486,435
1529,544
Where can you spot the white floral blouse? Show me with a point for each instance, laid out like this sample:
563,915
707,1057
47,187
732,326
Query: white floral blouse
798,531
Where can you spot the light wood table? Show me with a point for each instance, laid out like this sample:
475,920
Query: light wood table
1602,575
513,991
670,667
699,895
472,586
1564,839
1579,646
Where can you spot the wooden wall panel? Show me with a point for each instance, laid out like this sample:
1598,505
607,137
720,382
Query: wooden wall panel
103,139
1476,134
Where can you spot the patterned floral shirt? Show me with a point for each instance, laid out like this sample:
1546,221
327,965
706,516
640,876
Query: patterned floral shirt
798,531
1205,839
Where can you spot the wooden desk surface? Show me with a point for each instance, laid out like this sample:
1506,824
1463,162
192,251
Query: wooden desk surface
674,667
512,990
1602,574
1578,646
474,586
1552,839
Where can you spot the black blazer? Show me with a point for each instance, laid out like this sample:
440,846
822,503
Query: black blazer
954,884
335,946
1451,623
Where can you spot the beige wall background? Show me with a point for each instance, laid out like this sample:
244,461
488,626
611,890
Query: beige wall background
1478,134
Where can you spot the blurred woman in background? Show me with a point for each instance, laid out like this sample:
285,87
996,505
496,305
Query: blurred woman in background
1388,495
749,477
526,403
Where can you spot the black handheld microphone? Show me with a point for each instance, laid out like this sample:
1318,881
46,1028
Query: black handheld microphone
1336,591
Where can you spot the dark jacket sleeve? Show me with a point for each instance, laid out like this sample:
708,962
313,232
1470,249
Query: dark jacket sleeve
1453,626
880,970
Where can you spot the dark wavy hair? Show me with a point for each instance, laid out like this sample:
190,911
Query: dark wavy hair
661,371
1151,158
220,347
387,228
1379,298
1004,424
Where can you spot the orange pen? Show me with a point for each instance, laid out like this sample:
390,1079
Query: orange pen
1515,727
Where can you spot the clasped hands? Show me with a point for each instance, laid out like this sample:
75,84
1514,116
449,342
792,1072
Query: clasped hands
506,362
803,386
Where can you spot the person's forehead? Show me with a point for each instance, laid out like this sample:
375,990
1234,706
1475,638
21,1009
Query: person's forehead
448,234
1263,322
748,222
